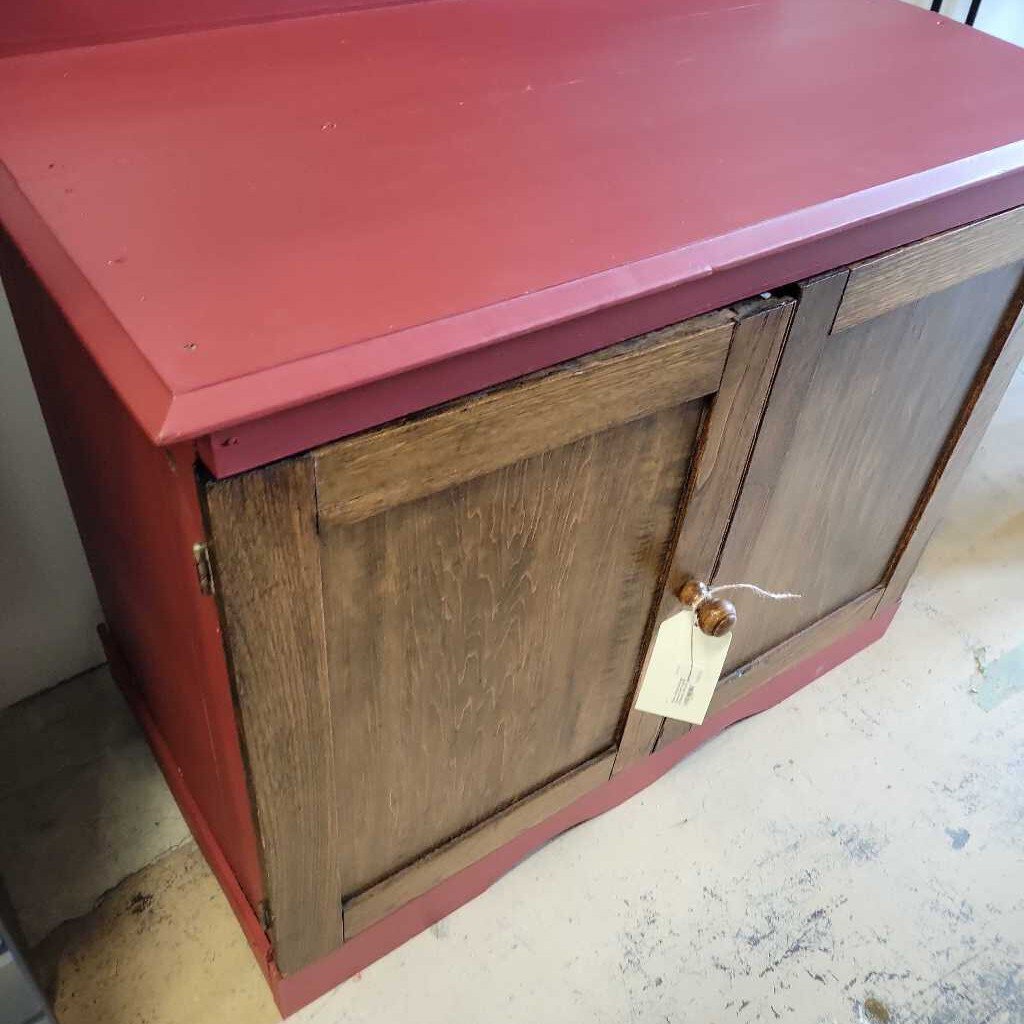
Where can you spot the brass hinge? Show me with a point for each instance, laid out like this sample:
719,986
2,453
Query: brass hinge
204,567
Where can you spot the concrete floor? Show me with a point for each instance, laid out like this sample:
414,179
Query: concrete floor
855,854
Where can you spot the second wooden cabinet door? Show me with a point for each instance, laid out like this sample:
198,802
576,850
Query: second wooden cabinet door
877,382
889,375
435,628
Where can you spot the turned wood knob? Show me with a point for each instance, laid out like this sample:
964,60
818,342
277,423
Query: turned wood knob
692,591
715,615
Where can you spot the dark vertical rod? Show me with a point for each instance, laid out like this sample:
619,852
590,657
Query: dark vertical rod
973,12
936,6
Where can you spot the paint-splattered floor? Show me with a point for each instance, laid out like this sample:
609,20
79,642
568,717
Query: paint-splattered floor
854,855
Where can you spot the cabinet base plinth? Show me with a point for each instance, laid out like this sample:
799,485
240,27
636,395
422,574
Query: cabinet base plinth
294,991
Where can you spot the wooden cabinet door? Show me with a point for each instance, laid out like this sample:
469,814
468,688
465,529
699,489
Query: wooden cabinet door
892,369
435,628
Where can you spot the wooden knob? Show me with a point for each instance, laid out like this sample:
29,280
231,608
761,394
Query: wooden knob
716,616
692,591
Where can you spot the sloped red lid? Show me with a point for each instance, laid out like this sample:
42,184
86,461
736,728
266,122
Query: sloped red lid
245,219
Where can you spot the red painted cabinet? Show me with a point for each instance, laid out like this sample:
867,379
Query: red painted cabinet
397,398
432,631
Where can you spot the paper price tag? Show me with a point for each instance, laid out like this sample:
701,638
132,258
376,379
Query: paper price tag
683,670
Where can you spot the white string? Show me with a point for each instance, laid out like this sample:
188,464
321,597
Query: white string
770,594
784,596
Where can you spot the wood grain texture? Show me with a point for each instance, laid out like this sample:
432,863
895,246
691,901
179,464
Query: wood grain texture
816,637
267,562
736,412
371,906
852,432
484,640
905,275
988,388
366,474
716,476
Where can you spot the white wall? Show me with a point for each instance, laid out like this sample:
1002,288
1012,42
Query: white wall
1003,18
48,606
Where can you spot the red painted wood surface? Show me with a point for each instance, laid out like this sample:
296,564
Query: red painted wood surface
247,220
138,514
191,811
29,26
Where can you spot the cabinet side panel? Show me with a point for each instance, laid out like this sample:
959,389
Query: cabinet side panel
137,511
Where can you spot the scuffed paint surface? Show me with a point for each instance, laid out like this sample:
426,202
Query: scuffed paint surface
1000,680
958,837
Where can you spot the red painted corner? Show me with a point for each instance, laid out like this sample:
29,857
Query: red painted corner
204,837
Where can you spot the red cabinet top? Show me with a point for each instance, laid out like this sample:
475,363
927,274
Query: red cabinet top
245,220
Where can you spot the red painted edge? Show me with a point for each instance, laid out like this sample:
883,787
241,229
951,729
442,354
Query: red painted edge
204,837
238,834
121,363
297,990
601,312
987,182
296,405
